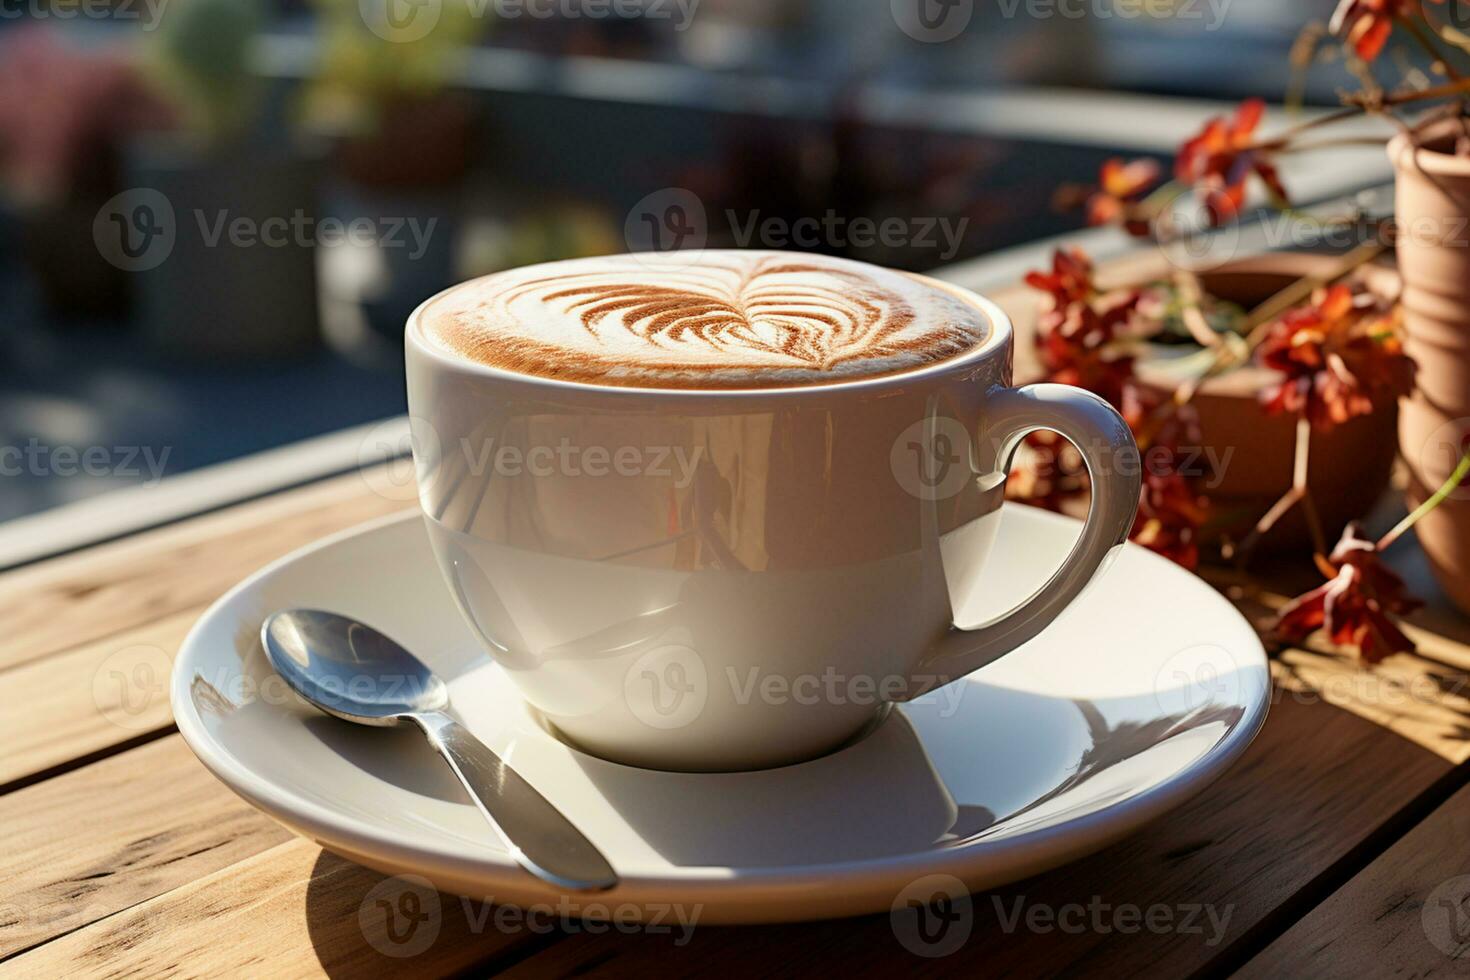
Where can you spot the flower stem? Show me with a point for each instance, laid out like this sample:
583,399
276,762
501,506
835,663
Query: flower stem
1423,510
1427,43
1460,86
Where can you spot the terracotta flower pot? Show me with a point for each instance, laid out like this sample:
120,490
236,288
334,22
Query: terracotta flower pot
1349,466
1433,210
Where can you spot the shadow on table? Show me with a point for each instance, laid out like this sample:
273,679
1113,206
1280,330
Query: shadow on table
364,924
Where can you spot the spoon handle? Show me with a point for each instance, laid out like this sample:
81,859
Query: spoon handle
541,839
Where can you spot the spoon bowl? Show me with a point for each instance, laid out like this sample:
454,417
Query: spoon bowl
349,670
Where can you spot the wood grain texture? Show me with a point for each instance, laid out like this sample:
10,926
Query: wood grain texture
1405,915
291,911
1315,784
78,702
87,844
80,598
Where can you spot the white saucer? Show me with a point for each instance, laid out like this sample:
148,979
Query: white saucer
1136,699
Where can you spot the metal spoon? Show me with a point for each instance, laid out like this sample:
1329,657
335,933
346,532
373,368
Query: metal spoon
355,673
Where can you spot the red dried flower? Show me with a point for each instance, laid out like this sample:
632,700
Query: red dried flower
1069,282
1076,337
1355,606
1219,160
1338,355
1170,514
1171,510
1120,187
1366,24
1049,474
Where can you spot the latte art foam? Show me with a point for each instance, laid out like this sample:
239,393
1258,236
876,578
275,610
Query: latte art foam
723,319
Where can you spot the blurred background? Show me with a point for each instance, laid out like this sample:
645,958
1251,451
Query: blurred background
215,215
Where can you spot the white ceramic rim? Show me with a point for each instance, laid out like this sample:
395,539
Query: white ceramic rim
1075,837
998,340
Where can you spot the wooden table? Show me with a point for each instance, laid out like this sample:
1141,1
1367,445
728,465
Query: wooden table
122,856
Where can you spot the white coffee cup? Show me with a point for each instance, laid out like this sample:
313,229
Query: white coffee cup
736,579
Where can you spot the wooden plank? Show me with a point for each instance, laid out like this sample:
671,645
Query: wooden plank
1407,914
1315,784
92,842
74,704
290,911
80,598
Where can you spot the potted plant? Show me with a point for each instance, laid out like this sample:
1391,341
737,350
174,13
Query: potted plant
1338,352
65,113
1244,455
239,278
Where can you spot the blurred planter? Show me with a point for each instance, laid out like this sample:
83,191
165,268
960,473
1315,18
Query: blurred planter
409,170
73,278
1433,204
216,294
1349,467
418,143
386,279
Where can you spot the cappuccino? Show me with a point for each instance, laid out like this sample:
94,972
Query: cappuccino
711,320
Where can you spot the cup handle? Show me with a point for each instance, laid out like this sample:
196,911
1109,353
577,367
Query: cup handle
1111,456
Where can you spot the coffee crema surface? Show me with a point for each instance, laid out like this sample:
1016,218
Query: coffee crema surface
709,320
